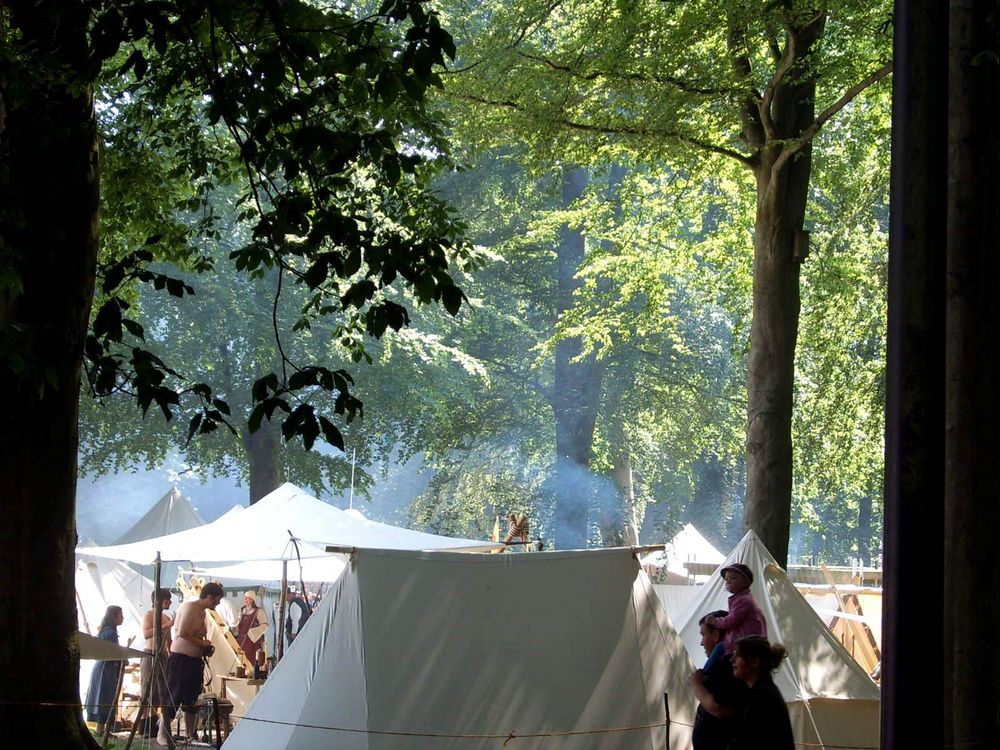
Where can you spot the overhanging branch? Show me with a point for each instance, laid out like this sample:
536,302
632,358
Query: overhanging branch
796,145
678,83
650,133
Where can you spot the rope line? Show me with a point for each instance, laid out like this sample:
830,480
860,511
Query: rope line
511,735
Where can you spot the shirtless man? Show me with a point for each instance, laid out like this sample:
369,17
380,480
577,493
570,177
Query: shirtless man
184,668
157,691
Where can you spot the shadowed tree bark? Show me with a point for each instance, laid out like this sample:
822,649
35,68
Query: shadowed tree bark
942,413
49,205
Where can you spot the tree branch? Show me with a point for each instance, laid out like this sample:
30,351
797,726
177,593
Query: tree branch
809,133
634,77
622,130
764,107
753,130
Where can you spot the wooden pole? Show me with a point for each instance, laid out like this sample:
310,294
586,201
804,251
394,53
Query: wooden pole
279,650
112,714
666,721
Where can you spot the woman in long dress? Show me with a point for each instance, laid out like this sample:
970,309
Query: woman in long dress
252,626
102,701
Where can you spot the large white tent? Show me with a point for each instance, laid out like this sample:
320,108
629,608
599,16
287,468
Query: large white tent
172,513
832,701
264,532
412,647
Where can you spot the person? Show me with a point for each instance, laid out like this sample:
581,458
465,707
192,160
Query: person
102,700
721,696
251,627
225,610
764,724
184,666
154,679
744,617
296,615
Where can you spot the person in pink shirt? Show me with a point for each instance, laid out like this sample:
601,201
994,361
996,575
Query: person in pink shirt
745,617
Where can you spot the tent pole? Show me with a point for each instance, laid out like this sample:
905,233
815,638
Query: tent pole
280,624
666,722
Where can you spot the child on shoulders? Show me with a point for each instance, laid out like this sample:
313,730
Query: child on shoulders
745,616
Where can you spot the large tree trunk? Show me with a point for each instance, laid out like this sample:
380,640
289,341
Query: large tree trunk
617,521
782,190
971,460
263,449
576,392
914,477
49,204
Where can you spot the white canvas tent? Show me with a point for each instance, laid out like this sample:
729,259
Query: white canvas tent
832,702
409,647
171,513
264,530
100,583
688,545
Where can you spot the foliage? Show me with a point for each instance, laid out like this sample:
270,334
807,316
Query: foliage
317,116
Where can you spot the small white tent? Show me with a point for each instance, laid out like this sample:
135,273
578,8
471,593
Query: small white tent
263,532
409,648
688,545
171,513
832,702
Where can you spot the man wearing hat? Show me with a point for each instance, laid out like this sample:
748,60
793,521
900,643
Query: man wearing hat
745,616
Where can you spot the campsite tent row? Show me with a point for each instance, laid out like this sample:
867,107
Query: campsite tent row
561,650
250,542
550,644
286,524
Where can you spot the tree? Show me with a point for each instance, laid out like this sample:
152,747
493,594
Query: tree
687,83
322,113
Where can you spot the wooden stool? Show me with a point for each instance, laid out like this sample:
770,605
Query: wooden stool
214,712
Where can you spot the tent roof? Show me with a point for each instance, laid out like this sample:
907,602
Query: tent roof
101,650
173,512
409,647
101,582
263,532
818,674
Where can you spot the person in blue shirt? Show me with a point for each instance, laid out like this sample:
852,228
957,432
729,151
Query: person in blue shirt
721,697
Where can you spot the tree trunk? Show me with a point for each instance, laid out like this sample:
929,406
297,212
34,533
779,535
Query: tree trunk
617,522
49,211
782,191
576,392
971,466
914,420
263,449
865,530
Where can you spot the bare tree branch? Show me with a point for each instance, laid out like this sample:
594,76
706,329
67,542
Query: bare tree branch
651,133
753,131
793,147
764,107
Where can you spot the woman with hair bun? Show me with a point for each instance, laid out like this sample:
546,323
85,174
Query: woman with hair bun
765,724
102,700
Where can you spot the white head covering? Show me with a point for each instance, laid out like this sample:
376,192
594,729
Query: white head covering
251,594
